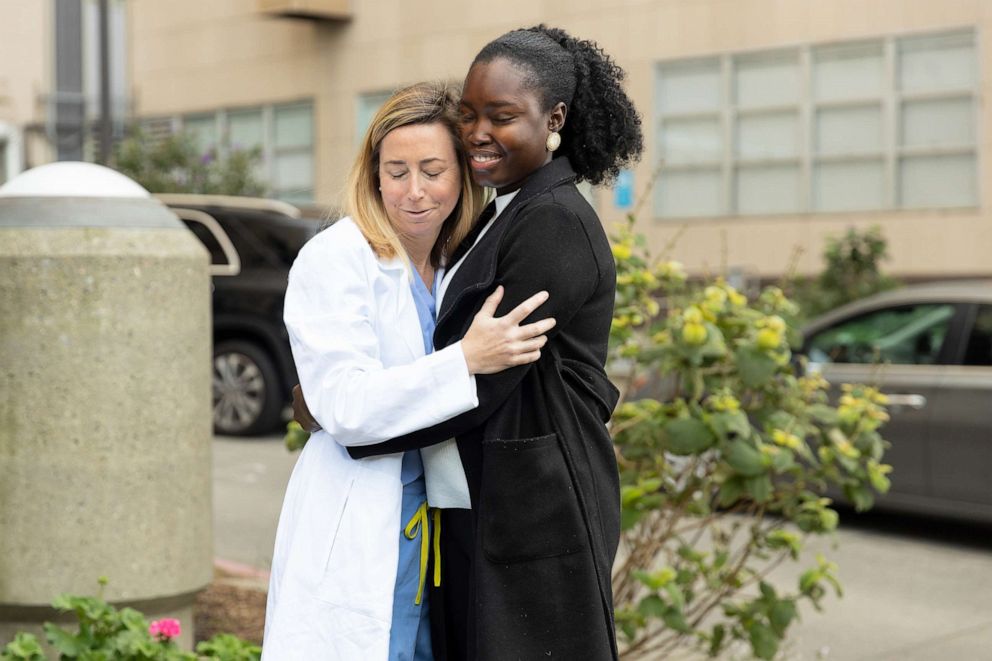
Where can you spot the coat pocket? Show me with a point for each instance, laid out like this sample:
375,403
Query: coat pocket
528,506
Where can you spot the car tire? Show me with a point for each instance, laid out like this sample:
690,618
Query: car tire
247,396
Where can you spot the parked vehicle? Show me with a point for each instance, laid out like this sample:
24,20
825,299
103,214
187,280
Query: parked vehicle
929,348
252,244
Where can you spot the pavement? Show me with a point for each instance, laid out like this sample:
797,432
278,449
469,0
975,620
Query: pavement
250,477
915,589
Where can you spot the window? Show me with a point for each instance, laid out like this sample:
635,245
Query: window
910,335
368,104
293,153
978,351
204,127
860,126
283,134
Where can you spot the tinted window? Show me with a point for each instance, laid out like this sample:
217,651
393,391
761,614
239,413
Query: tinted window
910,335
978,351
209,241
265,241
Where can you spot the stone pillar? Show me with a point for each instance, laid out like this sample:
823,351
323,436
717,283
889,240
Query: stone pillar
105,402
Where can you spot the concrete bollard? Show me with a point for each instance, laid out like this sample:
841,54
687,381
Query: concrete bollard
105,403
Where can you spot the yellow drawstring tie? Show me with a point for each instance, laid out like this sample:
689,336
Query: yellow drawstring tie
415,527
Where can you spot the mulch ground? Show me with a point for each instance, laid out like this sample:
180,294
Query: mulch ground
230,605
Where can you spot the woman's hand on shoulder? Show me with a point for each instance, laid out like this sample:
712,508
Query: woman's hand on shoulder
493,344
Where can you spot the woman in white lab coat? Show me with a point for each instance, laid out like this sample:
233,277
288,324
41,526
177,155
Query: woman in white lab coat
362,349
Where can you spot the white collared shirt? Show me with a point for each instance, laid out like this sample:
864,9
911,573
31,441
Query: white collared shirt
501,203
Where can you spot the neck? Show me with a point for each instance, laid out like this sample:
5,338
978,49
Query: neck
420,256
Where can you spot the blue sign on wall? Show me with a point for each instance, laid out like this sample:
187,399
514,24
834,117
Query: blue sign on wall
623,190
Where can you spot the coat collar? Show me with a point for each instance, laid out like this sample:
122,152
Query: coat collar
482,271
555,173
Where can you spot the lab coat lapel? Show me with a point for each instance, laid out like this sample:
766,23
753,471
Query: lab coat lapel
406,321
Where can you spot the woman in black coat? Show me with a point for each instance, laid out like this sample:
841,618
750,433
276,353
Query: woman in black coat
527,569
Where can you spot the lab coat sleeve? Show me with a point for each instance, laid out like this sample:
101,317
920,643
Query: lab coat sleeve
569,273
330,316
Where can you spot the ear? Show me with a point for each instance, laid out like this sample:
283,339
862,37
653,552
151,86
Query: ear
556,118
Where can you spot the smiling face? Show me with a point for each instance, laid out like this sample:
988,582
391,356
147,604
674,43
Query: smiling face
420,181
503,127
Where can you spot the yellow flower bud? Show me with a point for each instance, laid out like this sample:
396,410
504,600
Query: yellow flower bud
768,339
694,333
715,295
738,300
621,251
692,315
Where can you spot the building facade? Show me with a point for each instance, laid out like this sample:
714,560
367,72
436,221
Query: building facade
769,125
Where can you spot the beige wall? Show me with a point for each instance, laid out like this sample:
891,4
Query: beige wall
189,55
25,41
25,74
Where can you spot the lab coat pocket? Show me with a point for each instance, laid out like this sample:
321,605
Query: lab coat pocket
356,574
528,507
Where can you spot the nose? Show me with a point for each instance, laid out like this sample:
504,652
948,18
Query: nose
416,189
476,132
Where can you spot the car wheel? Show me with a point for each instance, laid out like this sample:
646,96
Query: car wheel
247,396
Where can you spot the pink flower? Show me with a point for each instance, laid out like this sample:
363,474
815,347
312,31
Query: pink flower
165,629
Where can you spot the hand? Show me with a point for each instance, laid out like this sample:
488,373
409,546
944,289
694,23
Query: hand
494,344
301,413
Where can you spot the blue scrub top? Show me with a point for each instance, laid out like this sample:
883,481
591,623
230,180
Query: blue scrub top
426,302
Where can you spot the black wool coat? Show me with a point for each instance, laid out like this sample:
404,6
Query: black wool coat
543,479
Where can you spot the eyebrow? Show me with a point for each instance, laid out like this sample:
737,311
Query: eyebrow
499,103
433,159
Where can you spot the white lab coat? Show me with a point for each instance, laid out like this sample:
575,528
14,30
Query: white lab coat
359,351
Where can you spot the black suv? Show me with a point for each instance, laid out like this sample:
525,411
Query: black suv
252,244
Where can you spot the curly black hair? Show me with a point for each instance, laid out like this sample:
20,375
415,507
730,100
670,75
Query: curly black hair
602,132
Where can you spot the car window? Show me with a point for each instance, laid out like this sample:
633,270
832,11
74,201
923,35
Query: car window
978,351
263,241
907,335
209,241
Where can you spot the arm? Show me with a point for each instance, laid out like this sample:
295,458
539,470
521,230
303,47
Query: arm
568,272
329,313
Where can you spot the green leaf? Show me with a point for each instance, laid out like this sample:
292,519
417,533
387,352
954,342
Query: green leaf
655,580
781,615
731,491
629,494
686,436
826,415
676,596
783,460
859,495
731,423
24,647
296,436
63,641
780,539
755,366
630,518
764,642
759,488
716,640
715,346
745,459
675,619
652,606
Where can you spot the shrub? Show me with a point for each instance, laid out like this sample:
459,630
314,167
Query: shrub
175,164
724,468
852,270
106,633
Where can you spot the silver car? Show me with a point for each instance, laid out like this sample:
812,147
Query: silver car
929,348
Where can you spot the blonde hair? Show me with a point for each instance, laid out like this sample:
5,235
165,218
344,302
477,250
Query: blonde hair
420,103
